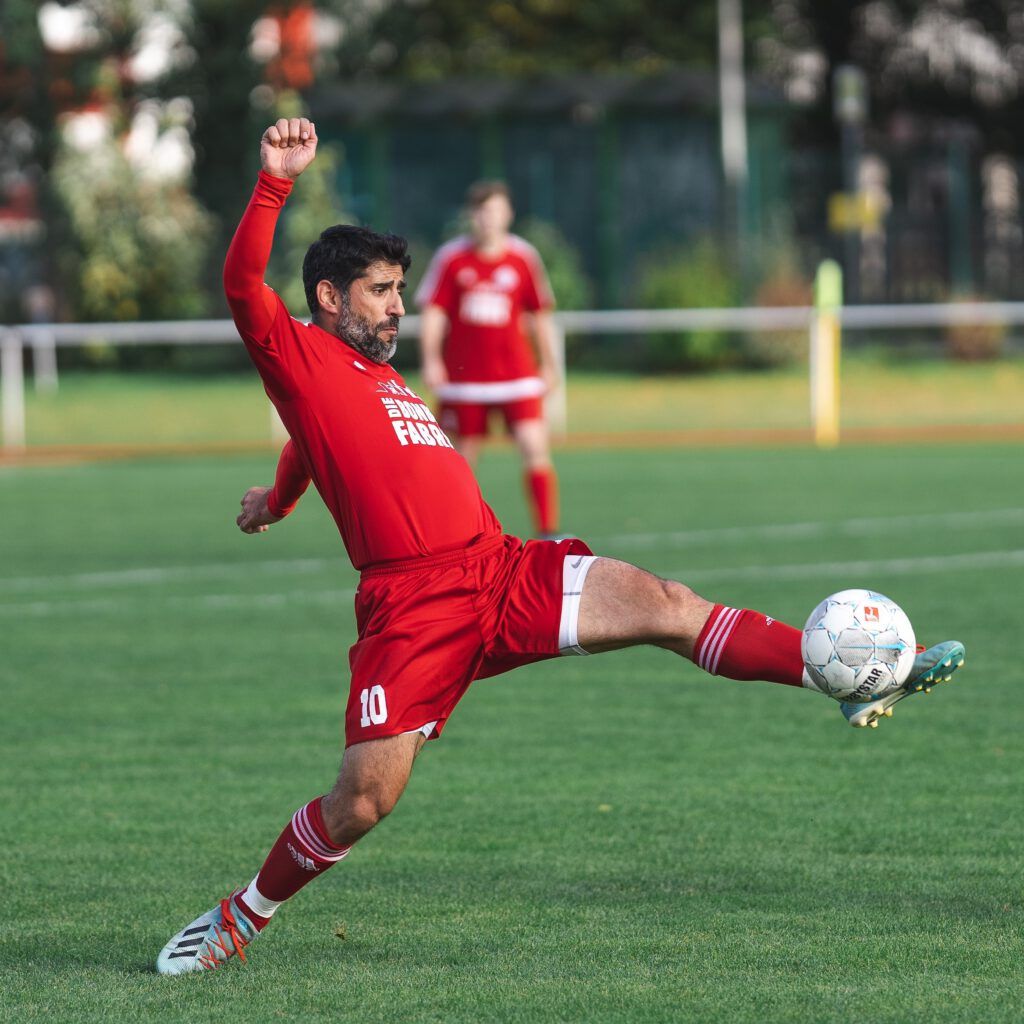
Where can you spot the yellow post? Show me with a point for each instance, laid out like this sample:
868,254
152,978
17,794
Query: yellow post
824,356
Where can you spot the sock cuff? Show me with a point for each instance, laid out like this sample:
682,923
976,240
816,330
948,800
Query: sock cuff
256,903
308,826
707,652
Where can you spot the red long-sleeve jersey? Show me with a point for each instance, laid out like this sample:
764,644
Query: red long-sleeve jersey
392,480
290,482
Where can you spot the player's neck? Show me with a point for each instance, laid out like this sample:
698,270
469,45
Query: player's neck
492,248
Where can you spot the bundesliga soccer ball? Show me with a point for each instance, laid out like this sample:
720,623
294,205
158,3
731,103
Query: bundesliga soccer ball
858,646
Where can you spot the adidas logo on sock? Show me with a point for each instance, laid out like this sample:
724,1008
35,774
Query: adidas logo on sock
304,862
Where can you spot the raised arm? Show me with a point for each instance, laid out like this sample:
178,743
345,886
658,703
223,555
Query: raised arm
286,150
264,506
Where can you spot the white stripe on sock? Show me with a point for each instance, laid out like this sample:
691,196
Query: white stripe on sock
315,847
702,654
733,621
307,838
707,651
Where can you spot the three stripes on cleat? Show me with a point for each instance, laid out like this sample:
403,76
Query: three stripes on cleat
190,939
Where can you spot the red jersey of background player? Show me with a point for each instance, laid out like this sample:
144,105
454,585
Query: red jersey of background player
484,299
392,480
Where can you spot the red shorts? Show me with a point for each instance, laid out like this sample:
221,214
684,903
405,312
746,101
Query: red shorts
430,626
469,419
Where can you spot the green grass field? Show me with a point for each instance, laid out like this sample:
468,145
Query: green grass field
617,838
183,409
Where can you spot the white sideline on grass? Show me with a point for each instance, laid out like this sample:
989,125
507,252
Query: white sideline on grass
823,527
1012,558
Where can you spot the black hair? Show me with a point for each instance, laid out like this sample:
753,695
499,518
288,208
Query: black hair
343,252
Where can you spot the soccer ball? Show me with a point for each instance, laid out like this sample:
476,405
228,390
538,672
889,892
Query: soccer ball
858,646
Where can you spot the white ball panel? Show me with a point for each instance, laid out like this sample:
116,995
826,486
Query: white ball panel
858,645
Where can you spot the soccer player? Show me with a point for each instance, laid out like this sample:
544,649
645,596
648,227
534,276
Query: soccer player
477,295
444,596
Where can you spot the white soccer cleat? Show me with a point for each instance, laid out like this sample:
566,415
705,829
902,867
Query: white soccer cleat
931,667
209,940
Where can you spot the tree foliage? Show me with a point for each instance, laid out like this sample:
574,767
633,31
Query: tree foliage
137,247
432,39
941,59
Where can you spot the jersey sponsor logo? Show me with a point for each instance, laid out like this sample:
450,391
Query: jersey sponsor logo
412,432
414,424
394,387
486,308
466,277
505,278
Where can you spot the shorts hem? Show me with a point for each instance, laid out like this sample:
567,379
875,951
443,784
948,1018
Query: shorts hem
574,575
435,725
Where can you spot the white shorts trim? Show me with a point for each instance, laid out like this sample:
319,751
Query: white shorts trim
427,730
574,573
492,391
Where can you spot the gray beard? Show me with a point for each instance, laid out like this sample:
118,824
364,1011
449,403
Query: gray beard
360,334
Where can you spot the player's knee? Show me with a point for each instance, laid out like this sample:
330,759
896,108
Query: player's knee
355,814
368,809
677,601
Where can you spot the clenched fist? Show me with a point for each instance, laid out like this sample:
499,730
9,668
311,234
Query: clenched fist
255,516
288,147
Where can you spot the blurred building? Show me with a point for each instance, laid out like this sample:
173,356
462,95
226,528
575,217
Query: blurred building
623,166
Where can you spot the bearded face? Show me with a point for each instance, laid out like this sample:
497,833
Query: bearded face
375,341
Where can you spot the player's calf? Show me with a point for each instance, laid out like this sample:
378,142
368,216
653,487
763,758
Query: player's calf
740,643
373,777
623,606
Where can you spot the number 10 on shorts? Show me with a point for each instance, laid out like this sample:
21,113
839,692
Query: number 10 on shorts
375,707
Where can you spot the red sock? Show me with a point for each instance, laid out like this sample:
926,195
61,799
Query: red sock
302,852
542,494
741,644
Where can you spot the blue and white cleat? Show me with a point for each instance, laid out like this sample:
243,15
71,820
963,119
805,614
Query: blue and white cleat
209,940
931,667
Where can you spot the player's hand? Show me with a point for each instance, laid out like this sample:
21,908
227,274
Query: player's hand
551,377
288,147
435,375
255,517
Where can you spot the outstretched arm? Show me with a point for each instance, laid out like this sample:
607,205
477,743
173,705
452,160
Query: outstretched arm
264,506
286,150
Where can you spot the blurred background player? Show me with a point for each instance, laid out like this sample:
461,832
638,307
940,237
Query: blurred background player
484,297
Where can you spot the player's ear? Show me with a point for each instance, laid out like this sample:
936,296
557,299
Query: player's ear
328,297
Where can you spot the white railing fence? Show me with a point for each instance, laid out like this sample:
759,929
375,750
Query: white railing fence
46,339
